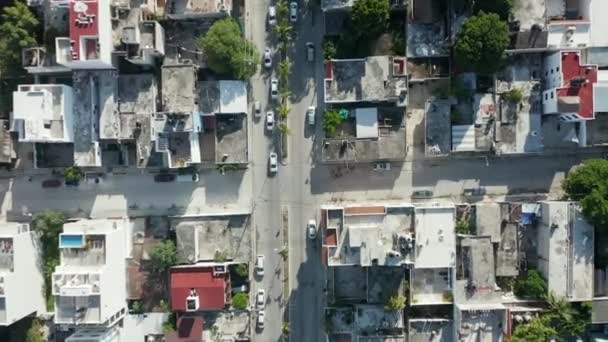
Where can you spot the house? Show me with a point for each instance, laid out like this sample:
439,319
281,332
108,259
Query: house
576,23
196,9
432,277
480,323
379,235
89,283
175,130
20,280
377,79
565,250
142,38
90,36
200,287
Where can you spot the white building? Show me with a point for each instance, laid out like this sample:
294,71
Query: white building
21,281
577,23
42,113
565,250
90,283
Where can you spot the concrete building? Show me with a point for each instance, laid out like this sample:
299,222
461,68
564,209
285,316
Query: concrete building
200,287
43,113
137,36
475,323
175,130
90,35
89,285
368,235
374,79
576,23
565,250
193,9
20,279
430,329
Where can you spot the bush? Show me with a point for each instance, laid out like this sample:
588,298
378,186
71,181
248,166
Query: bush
171,323
370,17
240,301
514,95
329,50
72,175
163,256
331,121
395,302
241,270
34,332
464,226
48,224
533,286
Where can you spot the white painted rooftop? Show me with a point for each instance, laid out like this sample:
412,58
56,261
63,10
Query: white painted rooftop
435,237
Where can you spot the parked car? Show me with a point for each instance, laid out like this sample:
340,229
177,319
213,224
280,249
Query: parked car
261,316
310,51
310,115
260,299
259,265
51,183
274,89
270,120
164,177
188,178
422,194
257,109
272,16
311,229
273,163
293,11
267,58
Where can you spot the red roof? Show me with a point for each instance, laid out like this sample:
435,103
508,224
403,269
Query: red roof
189,329
211,289
84,18
572,69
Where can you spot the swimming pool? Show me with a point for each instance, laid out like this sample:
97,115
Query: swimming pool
71,241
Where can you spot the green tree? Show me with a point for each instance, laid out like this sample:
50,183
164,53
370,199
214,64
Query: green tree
370,17
514,95
331,121
536,330
500,7
395,302
241,270
282,12
533,286
48,224
329,50
284,129
16,33
463,226
163,256
283,32
240,301
482,42
283,110
72,174
284,70
588,184
227,51
565,318
34,332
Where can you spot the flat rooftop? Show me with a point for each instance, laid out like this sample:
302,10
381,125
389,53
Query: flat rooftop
223,97
572,68
507,255
427,39
430,330
373,79
137,93
368,238
435,237
430,286
481,325
389,142
231,139
179,88
200,239
438,127
42,109
488,220
179,9
476,261
371,317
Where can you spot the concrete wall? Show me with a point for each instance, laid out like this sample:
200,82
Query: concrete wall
580,37
114,281
106,46
552,79
68,113
549,101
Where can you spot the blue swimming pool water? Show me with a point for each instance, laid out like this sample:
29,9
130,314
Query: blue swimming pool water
71,241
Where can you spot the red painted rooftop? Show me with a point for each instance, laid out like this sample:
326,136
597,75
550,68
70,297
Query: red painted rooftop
211,289
84,18
572,68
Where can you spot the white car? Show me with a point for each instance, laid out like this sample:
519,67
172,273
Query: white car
260,299
310,115
274,89
257,109
261,316
267,58
311,229
293,11
273,163
259,265
272,16
270,120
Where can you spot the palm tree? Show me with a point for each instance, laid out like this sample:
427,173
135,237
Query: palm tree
284,129
283,31
283,110
564,317
284,68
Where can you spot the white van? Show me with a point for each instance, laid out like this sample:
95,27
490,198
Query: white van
188,178
310,115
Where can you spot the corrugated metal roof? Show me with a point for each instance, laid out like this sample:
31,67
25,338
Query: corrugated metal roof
463,138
